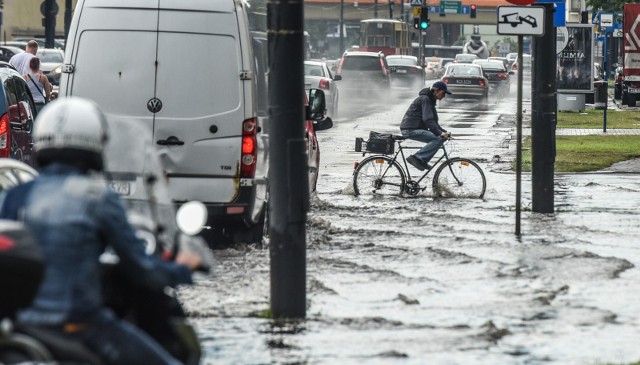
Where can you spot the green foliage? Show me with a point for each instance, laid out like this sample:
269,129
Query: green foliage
608,5
594,119
587,153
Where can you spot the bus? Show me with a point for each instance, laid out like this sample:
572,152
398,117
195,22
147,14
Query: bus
389,36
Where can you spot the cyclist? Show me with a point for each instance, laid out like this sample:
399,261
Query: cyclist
420,123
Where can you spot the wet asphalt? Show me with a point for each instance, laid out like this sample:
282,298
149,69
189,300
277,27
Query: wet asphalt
422,280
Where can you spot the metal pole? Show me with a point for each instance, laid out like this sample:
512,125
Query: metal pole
519,138
341,27
288,174
375,8
49,24
544,105
68,12
390,9
605,63
402,11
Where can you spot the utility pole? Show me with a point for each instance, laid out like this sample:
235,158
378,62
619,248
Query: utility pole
544,105
375,8
289,176
341,27
50,11
390,9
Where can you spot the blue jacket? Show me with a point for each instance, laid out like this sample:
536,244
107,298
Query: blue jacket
75,217
422,114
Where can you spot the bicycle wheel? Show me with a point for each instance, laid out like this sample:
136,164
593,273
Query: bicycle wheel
378,175
459,178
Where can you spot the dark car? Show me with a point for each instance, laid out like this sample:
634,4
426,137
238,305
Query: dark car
405,71
498,76
314,122
6,52
365,75
17,115
467,81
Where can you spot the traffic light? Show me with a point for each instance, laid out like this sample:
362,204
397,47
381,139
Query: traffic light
472,10
416,23
424,18
584,17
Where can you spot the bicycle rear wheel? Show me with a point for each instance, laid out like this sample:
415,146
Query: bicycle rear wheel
379,175
459,178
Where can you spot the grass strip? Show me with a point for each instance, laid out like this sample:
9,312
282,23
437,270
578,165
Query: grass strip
587,153
592,118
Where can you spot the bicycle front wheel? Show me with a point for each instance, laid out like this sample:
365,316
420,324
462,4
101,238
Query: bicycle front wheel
459,178
379,175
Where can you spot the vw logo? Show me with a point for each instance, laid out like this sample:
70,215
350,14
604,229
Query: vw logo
154,105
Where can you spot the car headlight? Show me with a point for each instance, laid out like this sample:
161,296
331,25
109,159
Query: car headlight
58,70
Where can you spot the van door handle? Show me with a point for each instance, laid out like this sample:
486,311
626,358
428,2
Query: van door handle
171,141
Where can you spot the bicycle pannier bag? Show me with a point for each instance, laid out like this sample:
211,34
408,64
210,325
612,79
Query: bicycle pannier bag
381,143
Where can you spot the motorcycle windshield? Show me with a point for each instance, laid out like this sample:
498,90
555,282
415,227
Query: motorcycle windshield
133,169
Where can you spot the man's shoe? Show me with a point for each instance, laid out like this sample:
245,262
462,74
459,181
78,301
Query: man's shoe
415,162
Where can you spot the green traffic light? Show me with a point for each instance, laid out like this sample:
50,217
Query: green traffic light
424,25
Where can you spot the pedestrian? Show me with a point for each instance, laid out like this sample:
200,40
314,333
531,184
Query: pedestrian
39,84
420,123
20,61
74,216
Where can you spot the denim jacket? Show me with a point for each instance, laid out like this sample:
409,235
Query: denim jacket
75,217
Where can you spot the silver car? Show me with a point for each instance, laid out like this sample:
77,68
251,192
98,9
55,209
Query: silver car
318,76
51,63
467,80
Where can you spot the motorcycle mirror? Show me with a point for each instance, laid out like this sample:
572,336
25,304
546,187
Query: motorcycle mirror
191,217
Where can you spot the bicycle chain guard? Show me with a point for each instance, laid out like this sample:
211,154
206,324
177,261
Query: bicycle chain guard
412,188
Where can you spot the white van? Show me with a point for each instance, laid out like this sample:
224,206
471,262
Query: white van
186,68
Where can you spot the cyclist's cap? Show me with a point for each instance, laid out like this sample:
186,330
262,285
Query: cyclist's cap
442,86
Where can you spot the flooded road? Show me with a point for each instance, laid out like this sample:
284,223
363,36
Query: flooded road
399,280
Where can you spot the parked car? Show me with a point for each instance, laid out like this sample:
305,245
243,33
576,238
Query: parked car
467,81
57,43
13,173
526,65
617,83
365,75
405,71
51,63
464,58
498,76
21,45
317,75
17,115
6,52
314,121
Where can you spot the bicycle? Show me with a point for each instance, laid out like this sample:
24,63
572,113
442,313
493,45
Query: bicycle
383,174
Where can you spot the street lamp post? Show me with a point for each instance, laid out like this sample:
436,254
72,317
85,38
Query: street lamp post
390,9
375,9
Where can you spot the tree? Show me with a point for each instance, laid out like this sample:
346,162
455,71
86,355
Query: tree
608,5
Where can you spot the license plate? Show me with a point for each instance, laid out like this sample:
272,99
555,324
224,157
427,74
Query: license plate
634,90
120,187
402,71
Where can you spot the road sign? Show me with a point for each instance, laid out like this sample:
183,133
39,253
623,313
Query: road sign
417,3
606,20
450,7
521,20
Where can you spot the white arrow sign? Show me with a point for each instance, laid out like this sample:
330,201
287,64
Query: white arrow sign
521,20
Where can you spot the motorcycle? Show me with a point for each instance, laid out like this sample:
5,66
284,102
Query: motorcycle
132,169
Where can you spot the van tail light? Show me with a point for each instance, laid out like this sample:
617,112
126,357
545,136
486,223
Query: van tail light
5,143
514,67
384,69
324,84
481,83
249,150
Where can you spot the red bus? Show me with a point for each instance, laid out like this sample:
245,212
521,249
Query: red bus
389,36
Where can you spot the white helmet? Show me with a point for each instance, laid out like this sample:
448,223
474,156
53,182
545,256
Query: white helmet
70,129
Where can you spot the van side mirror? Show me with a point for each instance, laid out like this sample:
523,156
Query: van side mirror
337,77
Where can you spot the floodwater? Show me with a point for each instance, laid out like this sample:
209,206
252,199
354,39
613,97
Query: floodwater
420,280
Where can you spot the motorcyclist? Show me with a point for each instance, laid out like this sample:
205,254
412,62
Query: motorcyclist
74,217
